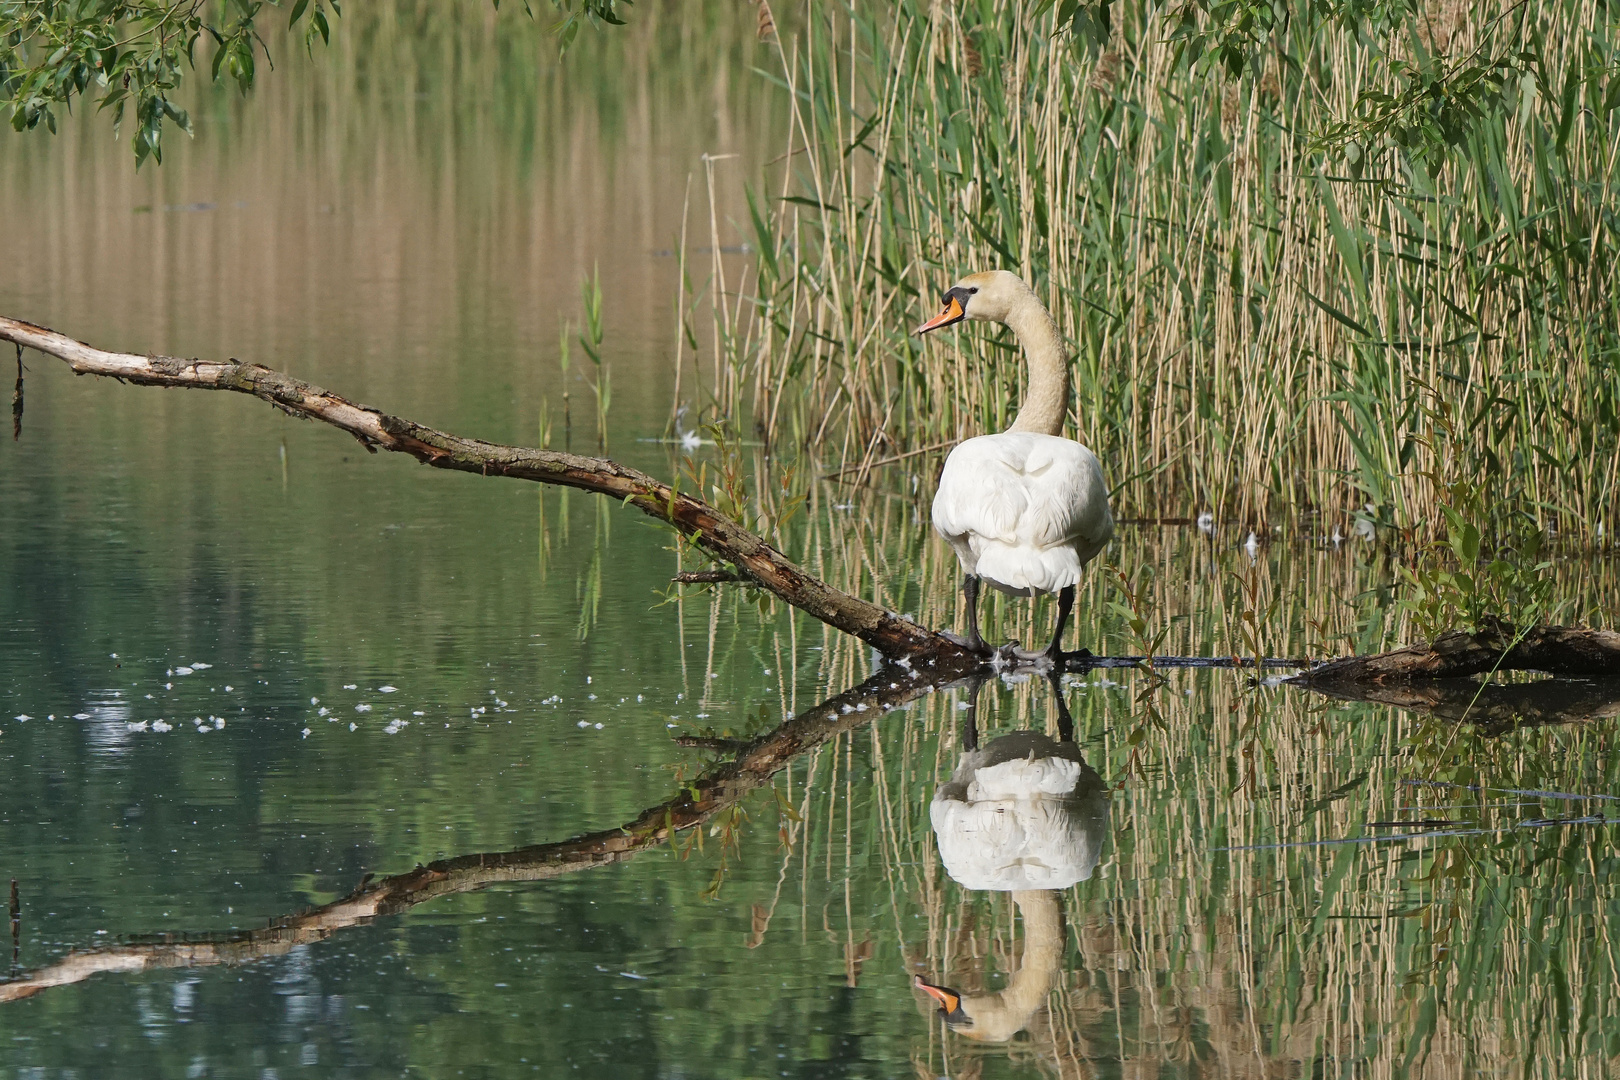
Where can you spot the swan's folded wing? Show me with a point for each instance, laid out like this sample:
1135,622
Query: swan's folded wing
982,492
1066,500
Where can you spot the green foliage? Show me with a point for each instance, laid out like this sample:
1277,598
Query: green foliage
1432,101
130,55
1459,582
590,339
576,15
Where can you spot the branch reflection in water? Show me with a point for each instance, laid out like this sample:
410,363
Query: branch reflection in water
717,789
1024,814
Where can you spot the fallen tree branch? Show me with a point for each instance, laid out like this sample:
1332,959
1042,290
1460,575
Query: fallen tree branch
704,577
722,538
1495,646
718,788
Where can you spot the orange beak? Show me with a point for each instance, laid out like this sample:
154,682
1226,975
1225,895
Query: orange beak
953,313
948,999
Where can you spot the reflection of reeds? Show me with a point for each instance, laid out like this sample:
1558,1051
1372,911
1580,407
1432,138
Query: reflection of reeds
424,194
1251,330
1462,953
1442,958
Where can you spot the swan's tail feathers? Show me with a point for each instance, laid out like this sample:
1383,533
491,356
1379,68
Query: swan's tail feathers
1022,571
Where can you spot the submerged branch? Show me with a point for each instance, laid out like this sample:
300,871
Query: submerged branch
718,788
719,536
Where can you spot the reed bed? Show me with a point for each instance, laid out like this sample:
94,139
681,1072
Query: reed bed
1258,327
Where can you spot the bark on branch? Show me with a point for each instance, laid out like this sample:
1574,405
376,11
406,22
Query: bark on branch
721,537
1495,646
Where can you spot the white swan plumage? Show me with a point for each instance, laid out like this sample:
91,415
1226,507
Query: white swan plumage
1024,509
1023,814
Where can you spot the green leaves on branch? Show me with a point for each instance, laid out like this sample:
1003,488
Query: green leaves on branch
132,54
578,12
1433,107
1458,582
1090,23
1427,101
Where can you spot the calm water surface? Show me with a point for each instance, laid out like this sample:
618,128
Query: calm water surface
244,664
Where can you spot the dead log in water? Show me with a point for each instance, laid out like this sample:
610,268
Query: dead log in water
1573,651
1495,646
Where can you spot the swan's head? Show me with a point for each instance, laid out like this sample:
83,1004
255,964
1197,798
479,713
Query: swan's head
989,297
976,1018
950,1002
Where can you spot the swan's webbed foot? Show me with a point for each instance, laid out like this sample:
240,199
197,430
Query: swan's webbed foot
975,644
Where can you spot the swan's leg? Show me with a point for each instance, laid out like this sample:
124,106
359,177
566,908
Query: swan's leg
974,642
970,738
1065,722
1065,605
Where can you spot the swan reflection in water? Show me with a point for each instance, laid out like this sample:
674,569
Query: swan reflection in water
1022,814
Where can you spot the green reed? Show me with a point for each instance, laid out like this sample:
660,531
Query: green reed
1256,324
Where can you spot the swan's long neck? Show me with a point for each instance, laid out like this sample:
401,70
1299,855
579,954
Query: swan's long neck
998,1017
1047,402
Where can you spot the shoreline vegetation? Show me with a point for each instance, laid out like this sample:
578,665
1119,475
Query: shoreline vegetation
1264,321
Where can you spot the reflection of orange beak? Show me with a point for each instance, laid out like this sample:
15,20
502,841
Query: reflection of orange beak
948,999
953,313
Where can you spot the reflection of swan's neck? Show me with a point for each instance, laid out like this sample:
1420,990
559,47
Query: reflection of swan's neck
998,1017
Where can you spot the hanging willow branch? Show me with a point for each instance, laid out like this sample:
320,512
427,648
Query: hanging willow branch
724,539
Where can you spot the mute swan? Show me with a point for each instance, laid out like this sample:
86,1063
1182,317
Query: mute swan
1025,815
1024,510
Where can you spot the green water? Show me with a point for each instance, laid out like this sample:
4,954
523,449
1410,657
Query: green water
404,666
